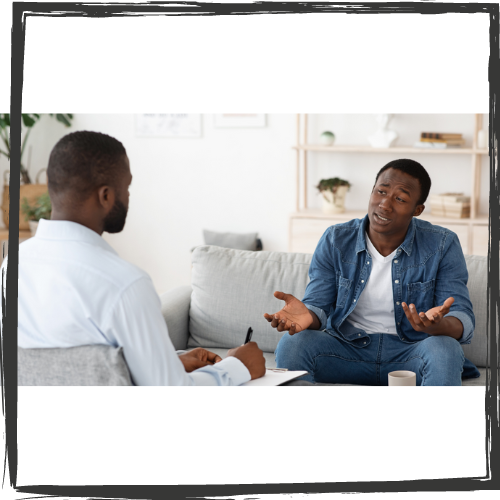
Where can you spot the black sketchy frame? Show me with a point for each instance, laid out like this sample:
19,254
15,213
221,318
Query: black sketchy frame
21,11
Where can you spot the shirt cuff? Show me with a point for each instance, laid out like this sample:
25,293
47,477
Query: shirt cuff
229,371
320,314
467,324
238,371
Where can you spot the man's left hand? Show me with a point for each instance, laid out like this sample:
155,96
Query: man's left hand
198,358
430,321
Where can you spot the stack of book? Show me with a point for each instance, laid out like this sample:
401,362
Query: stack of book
454,205
439,140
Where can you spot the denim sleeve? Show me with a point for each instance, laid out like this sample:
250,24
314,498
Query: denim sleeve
451,281
321,290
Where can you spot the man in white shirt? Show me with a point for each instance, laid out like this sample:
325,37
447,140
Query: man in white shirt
74,289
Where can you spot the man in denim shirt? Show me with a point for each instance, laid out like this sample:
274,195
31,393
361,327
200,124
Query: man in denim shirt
387,292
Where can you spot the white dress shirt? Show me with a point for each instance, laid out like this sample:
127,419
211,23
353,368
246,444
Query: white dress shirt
75,290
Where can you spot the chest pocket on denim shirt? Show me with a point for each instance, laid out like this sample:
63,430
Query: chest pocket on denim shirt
343,291
422,295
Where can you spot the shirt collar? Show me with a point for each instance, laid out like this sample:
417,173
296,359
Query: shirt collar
70,231
407,244
361,241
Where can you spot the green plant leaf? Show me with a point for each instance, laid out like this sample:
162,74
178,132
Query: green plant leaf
28,120
41,209
63,119
332,184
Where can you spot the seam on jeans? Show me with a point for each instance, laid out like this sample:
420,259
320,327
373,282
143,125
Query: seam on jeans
424,374
340,357
405,361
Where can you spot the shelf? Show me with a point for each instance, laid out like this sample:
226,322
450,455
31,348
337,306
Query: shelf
307,223
23,235
402,149
314,213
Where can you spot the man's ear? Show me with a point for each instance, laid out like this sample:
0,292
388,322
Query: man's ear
418,210
106,197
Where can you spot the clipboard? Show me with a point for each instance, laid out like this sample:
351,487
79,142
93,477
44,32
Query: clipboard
275,376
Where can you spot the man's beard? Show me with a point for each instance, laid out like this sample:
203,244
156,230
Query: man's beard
115,220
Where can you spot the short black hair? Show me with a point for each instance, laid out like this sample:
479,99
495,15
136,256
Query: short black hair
83,161
413,168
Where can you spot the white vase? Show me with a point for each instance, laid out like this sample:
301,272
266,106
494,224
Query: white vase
33,227
383,137
334,203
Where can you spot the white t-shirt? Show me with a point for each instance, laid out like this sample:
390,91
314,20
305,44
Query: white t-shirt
75,290
374,312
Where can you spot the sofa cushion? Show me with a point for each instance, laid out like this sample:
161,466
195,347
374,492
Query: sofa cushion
478,290
246,241
83,365
175,306
232,289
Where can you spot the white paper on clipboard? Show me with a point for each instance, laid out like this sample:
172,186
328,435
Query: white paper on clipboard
273,377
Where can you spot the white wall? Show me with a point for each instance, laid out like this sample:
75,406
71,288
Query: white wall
228,180
242,180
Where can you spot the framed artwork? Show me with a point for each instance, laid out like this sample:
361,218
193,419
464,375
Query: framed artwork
240,120
168,125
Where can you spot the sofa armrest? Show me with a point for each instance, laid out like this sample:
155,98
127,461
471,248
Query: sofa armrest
175,309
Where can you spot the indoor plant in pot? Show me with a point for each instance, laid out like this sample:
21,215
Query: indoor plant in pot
41,209
333,192
27,188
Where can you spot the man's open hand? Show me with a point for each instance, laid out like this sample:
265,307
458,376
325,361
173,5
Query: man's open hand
430,321
198,358
293,318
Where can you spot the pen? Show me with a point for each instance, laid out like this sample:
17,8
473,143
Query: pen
249,335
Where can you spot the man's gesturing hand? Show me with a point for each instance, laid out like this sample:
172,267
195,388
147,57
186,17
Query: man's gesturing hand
198,358
252,357
293,318
430,321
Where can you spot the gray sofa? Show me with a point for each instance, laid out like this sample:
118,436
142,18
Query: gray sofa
232,289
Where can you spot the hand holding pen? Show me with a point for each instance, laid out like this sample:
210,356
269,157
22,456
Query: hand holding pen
251,356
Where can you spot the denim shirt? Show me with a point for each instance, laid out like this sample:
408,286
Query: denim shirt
428,267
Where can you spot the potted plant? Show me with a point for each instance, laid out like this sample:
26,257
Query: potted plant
327,138
27,189
41,209
333,191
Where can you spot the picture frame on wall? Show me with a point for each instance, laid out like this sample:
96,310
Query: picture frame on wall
168,125
243,120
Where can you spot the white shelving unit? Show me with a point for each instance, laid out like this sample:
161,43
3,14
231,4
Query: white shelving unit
307,224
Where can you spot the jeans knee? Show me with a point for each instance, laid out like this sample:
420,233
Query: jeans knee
442,348
291,350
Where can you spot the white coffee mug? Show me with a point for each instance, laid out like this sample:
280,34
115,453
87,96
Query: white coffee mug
402,377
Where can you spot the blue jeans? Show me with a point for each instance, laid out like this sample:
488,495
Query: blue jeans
436,360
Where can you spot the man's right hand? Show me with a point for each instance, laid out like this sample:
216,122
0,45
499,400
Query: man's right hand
252,357
294,317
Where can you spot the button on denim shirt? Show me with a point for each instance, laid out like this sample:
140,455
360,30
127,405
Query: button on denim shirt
429,266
